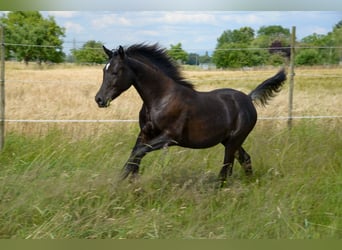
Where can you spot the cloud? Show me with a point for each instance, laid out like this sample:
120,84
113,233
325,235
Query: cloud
63,14
320,30
309,30
74,27
254,18
174,17
108,20
149,32
147,18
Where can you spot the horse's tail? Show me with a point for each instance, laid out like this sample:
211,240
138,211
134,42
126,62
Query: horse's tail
268,89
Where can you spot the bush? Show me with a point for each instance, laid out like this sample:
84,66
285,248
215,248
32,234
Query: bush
308,57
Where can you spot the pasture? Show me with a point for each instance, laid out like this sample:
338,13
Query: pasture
60,180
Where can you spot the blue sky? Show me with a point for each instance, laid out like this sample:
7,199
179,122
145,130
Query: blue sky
196,30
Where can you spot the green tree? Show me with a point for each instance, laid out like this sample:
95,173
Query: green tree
316,54
231,55
193,59
315,40
31,37
242,35
91,52
277,39
205,58
177,53
234,50
267,35
308,57
336,37
321,49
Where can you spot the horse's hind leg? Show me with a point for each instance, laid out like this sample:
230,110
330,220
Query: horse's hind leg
227,168
245,160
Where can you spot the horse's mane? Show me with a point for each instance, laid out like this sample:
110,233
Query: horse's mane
158,56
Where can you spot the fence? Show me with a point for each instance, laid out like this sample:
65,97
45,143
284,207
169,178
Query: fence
2,89
288,118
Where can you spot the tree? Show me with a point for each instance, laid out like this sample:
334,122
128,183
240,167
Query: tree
338,25
277,39
233,49
242,35
91,52
266,35
193,59
205,58
308,57
177,53
277,47
337,39
33,37
320,49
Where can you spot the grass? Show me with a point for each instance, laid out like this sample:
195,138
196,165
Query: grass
52,187
68,92
60,180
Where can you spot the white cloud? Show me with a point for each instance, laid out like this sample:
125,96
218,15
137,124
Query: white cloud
320,30
74,27
252,18
174,17
108,20
145,18
63,14
149,33
309,30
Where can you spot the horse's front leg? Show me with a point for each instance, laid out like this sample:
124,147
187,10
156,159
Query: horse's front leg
141,148
132,165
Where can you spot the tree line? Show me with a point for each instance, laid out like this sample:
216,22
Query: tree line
270,45
31,37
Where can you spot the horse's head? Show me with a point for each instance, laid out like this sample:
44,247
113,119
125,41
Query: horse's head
117,77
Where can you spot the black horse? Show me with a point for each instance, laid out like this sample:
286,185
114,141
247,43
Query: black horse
174,113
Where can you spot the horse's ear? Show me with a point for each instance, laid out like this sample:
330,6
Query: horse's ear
121,52
108,52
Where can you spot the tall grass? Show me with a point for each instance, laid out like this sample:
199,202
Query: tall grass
60,181
54,187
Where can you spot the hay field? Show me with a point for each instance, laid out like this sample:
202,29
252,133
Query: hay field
59,181
67,92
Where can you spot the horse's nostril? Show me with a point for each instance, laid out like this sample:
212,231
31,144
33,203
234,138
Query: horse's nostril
98,100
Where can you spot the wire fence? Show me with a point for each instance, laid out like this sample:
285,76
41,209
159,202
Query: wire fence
134,120
115,121
189,49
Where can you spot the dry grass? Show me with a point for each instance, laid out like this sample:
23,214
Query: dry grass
67,92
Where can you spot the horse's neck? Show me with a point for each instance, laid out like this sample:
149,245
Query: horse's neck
151,84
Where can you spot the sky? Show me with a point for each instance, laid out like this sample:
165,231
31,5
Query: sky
196,30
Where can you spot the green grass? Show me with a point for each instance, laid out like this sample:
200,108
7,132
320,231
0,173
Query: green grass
55,187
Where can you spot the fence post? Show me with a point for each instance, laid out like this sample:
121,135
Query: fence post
292,74
2,87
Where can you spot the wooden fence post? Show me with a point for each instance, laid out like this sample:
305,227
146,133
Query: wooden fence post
2,87
292,74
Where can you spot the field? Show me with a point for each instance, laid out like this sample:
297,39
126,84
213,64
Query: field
60,180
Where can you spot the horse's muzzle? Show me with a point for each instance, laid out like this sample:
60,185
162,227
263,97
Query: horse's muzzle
102,102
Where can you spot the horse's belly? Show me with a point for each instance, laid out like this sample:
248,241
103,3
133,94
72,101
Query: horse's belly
203,136
199,144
